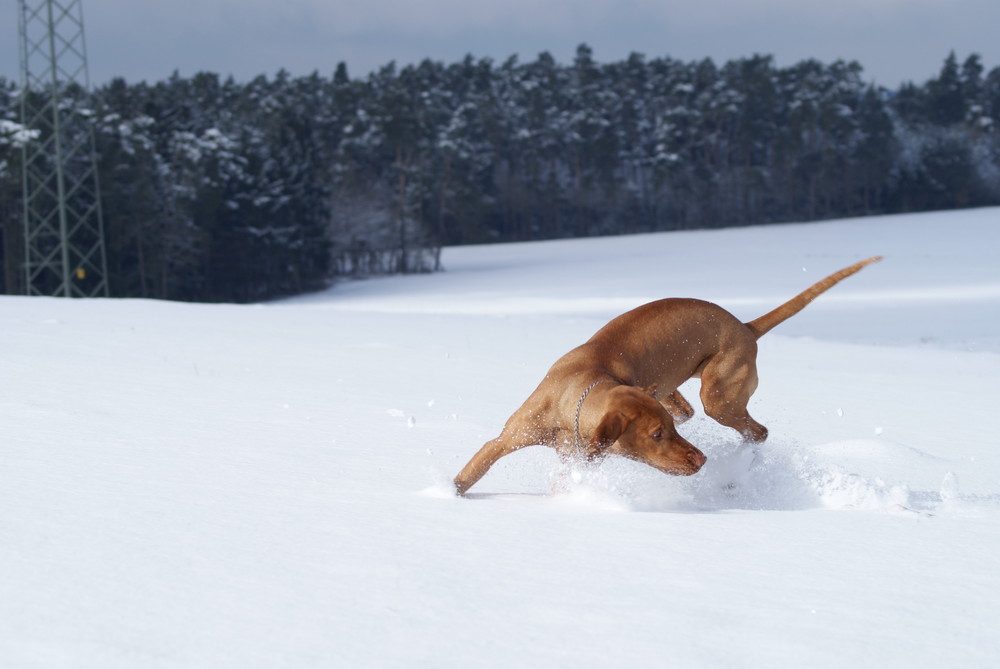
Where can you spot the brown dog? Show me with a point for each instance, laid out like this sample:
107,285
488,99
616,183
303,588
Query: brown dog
601,397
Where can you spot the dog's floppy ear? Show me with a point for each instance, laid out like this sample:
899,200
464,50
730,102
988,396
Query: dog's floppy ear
612,424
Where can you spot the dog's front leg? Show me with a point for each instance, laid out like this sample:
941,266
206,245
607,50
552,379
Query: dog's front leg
481,462
510,440
677,406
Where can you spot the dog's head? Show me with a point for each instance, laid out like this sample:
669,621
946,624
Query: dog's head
635,425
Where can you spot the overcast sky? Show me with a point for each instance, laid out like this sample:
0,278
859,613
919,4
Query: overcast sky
895,40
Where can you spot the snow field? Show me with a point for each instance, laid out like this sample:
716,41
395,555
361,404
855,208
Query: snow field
268,485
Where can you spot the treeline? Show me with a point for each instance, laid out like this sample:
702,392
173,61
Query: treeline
219,190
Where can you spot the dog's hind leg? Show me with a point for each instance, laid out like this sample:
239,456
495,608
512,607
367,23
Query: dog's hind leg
726,387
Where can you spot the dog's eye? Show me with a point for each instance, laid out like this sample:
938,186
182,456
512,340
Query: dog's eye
658,435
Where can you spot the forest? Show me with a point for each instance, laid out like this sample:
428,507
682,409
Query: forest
217,190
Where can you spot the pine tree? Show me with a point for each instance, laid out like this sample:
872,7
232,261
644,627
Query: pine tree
946,99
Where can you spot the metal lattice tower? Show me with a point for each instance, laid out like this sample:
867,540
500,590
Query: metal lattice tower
63,226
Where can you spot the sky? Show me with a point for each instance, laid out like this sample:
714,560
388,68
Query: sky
894,40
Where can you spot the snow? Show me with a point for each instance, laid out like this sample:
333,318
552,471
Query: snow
268,486
15,134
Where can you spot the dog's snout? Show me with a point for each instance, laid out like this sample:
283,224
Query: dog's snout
698,459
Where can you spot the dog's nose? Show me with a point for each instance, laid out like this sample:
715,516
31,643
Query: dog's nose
699,459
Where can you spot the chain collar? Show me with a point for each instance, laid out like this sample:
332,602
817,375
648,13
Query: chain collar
579,406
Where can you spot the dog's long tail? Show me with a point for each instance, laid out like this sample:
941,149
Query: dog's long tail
760,326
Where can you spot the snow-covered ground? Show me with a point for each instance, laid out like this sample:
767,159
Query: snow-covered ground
268,486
